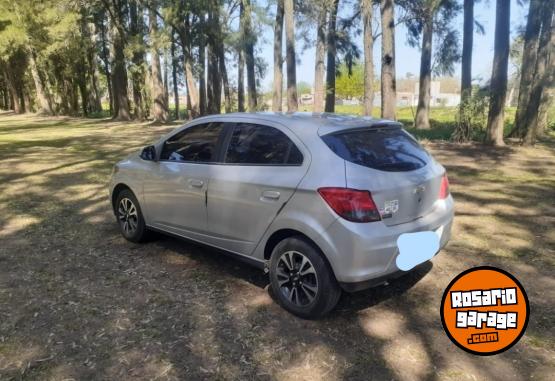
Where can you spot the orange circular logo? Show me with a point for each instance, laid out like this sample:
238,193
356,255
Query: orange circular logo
485,310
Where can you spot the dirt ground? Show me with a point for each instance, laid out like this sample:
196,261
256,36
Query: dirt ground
79,302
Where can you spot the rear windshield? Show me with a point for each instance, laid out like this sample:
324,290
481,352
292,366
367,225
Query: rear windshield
386,149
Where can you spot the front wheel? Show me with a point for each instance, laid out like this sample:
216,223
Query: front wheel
130,218
302,280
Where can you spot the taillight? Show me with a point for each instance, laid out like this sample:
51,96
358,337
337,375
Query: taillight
351,204
444,188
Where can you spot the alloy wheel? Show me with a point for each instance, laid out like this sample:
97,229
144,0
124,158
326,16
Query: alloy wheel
128,216
297,278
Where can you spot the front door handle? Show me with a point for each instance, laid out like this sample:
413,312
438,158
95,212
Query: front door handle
196,183
272,195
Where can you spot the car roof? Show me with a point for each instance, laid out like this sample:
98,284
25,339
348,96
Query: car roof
300,122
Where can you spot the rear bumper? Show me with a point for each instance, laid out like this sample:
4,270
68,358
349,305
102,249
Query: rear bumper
363,255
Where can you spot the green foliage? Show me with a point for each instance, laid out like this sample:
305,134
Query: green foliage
349,84
303,87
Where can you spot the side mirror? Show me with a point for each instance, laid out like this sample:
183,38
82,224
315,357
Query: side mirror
148,153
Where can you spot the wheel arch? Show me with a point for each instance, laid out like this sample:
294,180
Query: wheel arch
117,190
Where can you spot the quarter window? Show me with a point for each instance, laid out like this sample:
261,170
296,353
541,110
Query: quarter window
194,144
261,145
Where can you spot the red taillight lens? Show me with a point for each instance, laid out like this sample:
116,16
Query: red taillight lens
444,188
351,204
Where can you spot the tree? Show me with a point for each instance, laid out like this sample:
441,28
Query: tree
388,82
368,56
319,66
463,129
137,68
159,100
529,57
175,74
278,58
498,85
331,53
542,72
249,42
289,11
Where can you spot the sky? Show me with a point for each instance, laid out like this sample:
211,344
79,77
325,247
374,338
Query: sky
408,58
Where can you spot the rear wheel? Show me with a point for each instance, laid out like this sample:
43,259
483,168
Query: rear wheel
302,280
129,216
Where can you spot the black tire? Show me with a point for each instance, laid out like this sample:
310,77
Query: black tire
135,230
283,280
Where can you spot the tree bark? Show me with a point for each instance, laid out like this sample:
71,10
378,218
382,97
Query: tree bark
498,86
319,67
225,82
12,89
241,81
546,50
174,76
529,58
202,73
292,98
45,104
368,56
121,100
278,58
423,110
331,53
138,60
192,91
106,60
388,80
159,101
215,48
249,38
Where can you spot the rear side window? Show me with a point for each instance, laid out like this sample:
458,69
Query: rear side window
385,149
194,144
261,145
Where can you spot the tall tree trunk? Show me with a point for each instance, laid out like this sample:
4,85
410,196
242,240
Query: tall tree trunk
423,110
498,87
368,56
159,100
319,66
250,39
468,42
331,53
192,91
225,82
95,103
241,81
202,74
546,50
388,80
278,58
121,100
529,57
137,72
12,89
106,60
45,104
215,47
174,76
292,99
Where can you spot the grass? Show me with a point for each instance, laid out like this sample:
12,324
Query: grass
79,302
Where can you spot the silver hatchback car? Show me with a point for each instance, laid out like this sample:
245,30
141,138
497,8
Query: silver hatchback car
319,201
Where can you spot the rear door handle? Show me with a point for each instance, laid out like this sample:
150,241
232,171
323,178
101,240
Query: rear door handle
196,183
272,195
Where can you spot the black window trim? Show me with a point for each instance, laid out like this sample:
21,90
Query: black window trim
229,133
217,150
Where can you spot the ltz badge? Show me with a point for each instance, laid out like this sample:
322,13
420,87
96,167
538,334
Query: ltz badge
389,209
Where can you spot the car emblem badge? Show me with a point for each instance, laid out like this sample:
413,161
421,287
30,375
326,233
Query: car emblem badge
390,207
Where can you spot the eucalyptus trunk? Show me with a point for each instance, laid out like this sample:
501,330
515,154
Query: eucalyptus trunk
319,66
423,110
368,56
529,58
241,81
278,58
138,60
174,76
249,40
119,76
331,53
159,100
225,82
498,86
202,72
388,81
45,105
292,98
192,91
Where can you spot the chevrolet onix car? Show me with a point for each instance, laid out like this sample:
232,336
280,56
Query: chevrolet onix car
317,200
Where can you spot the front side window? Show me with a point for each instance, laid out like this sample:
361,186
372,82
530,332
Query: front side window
194,144
261,145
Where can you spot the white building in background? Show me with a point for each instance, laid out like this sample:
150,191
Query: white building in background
410,98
